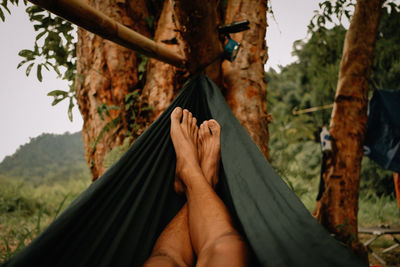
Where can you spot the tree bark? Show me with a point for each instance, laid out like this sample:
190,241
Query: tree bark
245,87
163,80
198,22
106,73
396,181
338,207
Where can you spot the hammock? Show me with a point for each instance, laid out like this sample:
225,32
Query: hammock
117,220
382,139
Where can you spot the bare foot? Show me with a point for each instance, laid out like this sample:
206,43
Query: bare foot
209,150
184,137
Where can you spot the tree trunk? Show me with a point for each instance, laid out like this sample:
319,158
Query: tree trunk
396,181
198,24
245,87
163,80
338,207
107,72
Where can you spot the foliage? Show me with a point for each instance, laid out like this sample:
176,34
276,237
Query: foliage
292,139
35,207
26,209
117,152
311,81
47,158
319,61
55,49
377,210
113,123
386,67
331,12
134,113
4,7
376,179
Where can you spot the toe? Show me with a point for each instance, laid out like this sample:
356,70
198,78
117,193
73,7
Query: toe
202,130
185,116
189,122
176,115
214,127
196,134
194,125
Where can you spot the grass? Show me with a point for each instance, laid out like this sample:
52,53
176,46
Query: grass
25,210
374,210
380,211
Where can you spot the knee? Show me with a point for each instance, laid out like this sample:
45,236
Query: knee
228,246
163,260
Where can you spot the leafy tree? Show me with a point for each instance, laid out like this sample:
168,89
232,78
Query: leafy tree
320,65
103,75
386,67
311,81
47,158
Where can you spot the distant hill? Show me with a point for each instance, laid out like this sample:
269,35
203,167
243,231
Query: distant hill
48,157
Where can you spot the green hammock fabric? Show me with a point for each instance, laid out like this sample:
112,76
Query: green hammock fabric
117,220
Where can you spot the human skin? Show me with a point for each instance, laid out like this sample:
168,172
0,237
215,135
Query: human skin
203,226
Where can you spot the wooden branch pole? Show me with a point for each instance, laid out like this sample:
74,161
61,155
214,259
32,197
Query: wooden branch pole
87,17
313,109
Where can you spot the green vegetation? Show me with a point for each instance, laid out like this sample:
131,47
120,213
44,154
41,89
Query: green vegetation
294,140
36,183
25,210
48,158
310,82
44,176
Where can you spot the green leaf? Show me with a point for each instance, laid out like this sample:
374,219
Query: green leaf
57,71
45,65
70,107
37,27
21,63
150,21
37,17
26,53
57,93
29,68
40,35
110,125
113,107
39,72
128,106
133,116
6,8
2,15
56,101
100,112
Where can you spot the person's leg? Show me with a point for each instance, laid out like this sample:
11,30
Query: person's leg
209,150
173,247
214,238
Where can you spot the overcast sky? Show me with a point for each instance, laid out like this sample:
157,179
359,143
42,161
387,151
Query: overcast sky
25,108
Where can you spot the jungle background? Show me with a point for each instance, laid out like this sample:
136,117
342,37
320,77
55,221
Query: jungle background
41,178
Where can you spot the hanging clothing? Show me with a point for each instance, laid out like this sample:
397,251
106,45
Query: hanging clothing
118,219
382,139
326,144
326,147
